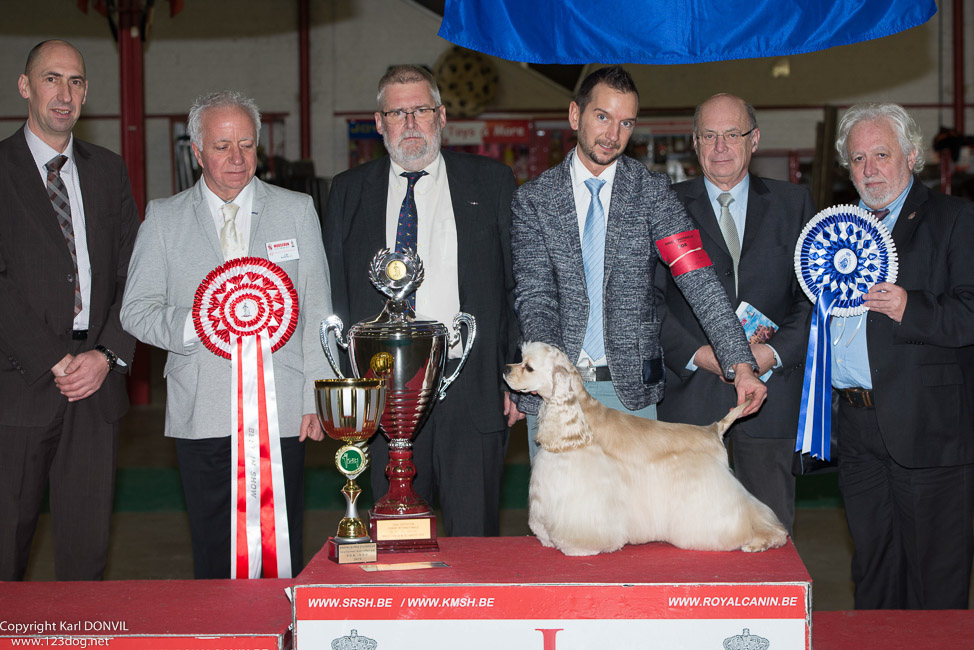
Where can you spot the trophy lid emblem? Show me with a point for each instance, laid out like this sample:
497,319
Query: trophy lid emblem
396,274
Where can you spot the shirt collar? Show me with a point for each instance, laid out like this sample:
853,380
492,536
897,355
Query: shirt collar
43,152
434,171
894,207
580,172
215,202
738,192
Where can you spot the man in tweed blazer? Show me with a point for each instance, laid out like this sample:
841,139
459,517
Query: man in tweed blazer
551,292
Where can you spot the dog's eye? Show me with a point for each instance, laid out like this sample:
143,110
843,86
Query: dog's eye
528,367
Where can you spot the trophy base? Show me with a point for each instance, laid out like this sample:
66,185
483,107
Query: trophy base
404,533
350,552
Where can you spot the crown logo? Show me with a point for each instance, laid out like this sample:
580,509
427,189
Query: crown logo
354,642
746,641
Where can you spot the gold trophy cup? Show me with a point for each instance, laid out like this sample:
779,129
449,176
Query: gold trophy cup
349,411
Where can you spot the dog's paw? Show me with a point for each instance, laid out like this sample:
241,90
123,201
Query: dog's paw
765,542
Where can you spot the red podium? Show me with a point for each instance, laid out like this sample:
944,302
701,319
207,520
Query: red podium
511,592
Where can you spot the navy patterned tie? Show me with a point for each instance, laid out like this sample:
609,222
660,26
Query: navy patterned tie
58,194
406,230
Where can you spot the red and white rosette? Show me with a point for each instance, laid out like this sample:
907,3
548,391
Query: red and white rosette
244,310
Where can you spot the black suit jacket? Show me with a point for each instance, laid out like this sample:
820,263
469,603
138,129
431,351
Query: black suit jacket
923,367
481,190
37,288
776,213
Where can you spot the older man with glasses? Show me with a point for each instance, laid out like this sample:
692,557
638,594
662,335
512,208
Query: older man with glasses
749,226
455,210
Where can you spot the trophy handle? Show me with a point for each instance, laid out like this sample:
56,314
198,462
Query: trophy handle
471,323
332,323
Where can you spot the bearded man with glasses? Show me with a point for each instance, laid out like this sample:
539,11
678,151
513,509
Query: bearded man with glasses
454,209
749,226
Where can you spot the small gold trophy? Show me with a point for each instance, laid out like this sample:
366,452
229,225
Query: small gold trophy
349,410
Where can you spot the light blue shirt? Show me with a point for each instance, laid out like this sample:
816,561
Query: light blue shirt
850,355
738,208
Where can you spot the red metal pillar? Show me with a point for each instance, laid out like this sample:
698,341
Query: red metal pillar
132,113
304,76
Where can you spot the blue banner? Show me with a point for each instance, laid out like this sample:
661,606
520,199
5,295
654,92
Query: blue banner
670,31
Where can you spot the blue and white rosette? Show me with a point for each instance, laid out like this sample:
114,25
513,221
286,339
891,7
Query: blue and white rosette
842,252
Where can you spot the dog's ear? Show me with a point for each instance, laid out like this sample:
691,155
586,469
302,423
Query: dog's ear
563,426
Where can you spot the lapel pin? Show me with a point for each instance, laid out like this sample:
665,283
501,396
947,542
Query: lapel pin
912,214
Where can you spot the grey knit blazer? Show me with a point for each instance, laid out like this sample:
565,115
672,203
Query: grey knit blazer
550,293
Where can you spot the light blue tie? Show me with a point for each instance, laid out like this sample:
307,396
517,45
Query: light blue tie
593,259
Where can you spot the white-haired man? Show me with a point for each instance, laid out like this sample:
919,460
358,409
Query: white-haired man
905,427
228,214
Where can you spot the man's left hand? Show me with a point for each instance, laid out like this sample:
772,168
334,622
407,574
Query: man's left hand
83,376
749,387
510,410
887,298
311,428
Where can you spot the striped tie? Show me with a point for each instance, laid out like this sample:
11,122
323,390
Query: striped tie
593,259
58,194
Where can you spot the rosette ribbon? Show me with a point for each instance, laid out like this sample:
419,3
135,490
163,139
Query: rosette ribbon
841,253
245,310
815,417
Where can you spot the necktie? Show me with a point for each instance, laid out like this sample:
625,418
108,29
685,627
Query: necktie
58,194
593,259
408,221
880,214
229,235
729,230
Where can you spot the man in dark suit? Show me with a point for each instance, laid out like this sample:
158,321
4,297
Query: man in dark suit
763,219
67,227
462,210
586,237
905,427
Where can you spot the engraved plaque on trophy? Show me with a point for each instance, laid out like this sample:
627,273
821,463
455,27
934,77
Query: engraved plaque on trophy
411,355
349,411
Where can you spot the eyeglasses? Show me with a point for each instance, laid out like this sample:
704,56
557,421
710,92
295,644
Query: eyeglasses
731,138
399,115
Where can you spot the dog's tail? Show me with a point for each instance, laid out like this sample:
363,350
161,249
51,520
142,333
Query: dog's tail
724,424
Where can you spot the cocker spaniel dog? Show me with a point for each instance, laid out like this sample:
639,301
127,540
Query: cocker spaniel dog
603,478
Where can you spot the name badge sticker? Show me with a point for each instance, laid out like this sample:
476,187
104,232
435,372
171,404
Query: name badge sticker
282,251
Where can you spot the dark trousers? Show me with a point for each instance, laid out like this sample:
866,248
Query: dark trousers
463,466
763,466
204,467
75,456
912,528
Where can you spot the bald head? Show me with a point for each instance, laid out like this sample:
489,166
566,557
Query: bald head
35,54
725,134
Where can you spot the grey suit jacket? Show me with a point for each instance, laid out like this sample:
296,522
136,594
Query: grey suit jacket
776,213
37,282
551,297
177,247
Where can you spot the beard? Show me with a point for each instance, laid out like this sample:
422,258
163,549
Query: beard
413,156
598,157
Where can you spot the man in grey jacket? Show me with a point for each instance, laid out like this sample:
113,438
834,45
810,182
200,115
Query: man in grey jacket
230,214
585,239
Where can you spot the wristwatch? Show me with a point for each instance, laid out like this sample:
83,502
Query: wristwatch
110,356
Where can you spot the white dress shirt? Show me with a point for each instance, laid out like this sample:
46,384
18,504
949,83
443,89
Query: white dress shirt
583,199
438,298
